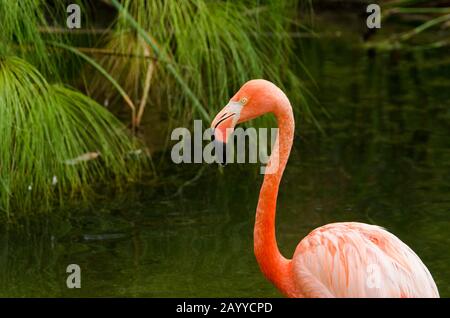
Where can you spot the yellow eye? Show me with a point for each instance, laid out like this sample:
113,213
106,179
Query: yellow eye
244,100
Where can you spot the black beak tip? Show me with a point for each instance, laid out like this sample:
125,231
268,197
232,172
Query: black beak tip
221,152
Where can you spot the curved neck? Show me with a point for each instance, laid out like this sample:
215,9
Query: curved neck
274,266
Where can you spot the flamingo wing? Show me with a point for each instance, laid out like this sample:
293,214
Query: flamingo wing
359,260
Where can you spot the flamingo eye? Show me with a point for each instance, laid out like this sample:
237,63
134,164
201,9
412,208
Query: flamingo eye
243,100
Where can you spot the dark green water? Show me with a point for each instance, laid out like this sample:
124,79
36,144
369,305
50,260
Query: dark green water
385,160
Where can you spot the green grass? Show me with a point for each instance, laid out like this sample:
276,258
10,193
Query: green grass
43,126
184,59
105,75
21,25
201,53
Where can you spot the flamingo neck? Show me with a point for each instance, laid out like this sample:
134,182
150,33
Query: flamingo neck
272,263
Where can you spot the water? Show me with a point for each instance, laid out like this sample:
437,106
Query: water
385,160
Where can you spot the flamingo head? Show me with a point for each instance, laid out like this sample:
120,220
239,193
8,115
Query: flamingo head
254,99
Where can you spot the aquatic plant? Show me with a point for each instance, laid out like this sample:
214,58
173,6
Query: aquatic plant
172,57
24,24
55,142
181,55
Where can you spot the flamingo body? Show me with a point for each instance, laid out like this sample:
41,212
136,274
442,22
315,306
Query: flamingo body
358,260
336,260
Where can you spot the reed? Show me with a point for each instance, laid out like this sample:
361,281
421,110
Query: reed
199,52
56,142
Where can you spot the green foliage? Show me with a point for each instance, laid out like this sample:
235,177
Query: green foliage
43,128
183,59
21,33
213,46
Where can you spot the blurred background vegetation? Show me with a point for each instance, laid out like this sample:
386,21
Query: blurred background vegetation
154,65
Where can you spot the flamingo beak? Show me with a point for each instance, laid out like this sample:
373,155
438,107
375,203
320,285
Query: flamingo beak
223,127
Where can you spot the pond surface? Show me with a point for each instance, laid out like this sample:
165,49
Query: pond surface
385,159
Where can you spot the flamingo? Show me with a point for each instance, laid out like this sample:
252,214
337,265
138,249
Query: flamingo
345,259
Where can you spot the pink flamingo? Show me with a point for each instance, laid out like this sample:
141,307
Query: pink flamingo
336,260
